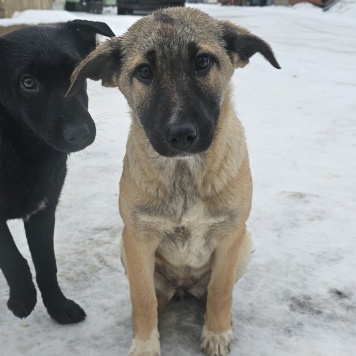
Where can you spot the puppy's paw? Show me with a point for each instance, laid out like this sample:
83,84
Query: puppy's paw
215,344
65,311
22,301
149,347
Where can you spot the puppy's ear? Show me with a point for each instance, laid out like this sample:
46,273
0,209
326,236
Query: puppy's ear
84,32
3,44
103,63
241,45
92,27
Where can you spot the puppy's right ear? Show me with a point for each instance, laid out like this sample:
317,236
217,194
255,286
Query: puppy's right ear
103,63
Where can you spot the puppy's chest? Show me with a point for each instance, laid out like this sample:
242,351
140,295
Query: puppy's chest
27,186
191,240
187,228
186,225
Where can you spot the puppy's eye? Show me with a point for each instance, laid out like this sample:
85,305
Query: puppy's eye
29,82
202,62
144,73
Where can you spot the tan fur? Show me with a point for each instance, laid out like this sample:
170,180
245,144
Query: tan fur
215,220
184,217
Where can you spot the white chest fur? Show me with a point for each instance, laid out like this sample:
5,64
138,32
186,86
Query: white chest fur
191,242
40,207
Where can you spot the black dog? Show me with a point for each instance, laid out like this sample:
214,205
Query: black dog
39,127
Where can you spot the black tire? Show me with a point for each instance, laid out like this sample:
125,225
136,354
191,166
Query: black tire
69,6
95,8
121,11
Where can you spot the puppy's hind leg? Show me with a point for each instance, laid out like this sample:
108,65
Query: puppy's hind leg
17,274
164,293
247,249
39,232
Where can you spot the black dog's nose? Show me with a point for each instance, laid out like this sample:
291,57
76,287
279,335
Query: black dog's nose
76,135
182,136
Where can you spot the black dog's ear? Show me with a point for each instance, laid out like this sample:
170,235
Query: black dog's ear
92,27
3,44
242,45
103,63
85,33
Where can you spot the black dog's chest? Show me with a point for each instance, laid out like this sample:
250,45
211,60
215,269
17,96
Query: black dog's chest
30,183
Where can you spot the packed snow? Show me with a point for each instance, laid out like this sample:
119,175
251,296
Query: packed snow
345,7
299,294
35,17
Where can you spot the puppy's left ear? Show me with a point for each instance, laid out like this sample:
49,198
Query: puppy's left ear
241,45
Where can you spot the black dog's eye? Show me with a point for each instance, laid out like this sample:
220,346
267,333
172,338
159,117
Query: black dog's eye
29,82
144,73
202,62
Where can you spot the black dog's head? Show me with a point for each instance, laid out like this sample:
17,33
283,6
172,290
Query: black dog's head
36,63
174,68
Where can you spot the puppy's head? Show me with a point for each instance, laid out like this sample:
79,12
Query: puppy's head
35,68
174,68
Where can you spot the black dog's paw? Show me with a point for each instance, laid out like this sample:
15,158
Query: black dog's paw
65,311
22,302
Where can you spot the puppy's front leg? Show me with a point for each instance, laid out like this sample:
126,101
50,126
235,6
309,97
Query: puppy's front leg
39,232
139,260
217,335
22,298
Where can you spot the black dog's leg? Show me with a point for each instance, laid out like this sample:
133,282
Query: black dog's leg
17,274
39,231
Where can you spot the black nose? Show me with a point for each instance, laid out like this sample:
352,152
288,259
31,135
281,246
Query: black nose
76,135
182,136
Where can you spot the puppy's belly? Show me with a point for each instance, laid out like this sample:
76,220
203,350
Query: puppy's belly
184,256
183,247
186,242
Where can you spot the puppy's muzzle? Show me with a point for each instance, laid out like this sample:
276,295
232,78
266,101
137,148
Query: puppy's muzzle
182,137
77,135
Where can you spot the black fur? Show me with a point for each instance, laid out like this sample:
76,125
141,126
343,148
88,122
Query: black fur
39,127
246,45
197,108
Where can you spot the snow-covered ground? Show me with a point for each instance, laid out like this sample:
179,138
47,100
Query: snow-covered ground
299,295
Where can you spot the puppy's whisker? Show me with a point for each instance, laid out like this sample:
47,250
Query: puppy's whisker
95,91
105,116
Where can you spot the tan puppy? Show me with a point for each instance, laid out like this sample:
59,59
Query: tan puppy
185,191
